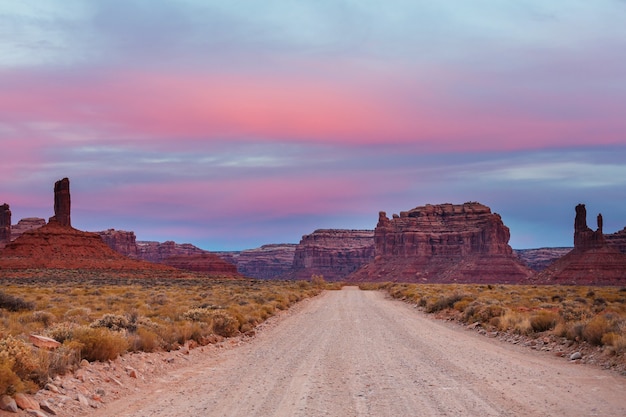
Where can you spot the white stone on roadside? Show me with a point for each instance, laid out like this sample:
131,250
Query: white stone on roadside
53,388
575,355
82,399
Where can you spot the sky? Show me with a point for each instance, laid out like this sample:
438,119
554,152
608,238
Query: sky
232,124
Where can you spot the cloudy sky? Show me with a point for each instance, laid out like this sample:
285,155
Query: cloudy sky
231,124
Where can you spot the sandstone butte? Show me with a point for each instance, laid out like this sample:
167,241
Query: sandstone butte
266,262
443,243
57,245
180,256
594,260
333,253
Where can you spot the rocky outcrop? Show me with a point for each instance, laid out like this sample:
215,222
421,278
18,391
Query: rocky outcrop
5,225
158,252
540,258
55,246
267,262
207,263
593,261
617,240
333,253
121,241
584,237
62,202
443,243
23,225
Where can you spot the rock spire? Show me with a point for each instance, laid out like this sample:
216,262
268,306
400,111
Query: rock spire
5,225
62,203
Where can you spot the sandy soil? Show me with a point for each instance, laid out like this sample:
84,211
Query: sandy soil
356,353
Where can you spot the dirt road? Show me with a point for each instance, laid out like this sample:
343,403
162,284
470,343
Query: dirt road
355,353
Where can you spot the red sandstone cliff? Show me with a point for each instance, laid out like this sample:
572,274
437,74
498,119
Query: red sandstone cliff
617,240
267,262
333,253
121,241
207,263
443,243
23,225
593,261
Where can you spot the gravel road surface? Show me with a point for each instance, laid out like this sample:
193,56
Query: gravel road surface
356,353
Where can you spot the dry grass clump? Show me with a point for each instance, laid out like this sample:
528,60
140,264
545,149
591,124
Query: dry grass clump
596,315
101,317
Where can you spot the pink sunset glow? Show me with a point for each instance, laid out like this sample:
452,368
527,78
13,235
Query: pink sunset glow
257,125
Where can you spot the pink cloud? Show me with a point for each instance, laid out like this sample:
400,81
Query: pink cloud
157,107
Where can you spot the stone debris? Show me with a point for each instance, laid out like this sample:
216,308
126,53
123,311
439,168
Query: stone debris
26,402
8,404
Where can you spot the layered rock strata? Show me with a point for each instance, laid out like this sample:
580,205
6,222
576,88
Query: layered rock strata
207,263
266,262
5,225
540,258
23,225
121,241
158,252
463,243
617,240
332,253
593,261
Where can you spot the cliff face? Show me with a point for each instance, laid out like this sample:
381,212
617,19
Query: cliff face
203,262
594,260
333,253
26,224
443,243
158,252
617,240
121,241
540,258
266,262
5,225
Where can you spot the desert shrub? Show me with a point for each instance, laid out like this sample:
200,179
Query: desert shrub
461,305
514,321
144,340
61,331
595,329
197,314
543,320
18,357
78,314
12,303
223,323
99,344
10,383
318,280
482,313
43,317
114,322
443,302
63,359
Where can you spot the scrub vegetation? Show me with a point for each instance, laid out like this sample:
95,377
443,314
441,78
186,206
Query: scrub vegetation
596,315
100,319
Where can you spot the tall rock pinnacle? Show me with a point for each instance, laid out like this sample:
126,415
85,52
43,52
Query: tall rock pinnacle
62,202
5,225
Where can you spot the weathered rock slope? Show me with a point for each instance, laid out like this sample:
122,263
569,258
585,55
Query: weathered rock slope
266,262
207,263
593,261
443,243
540,258
333,253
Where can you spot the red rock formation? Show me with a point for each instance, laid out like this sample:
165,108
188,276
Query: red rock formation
593,261
207,263
333,253
443,243
267,262
5,225
23,225
121,241
62,202
617,240
158,252
540,258
584,237
55,246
